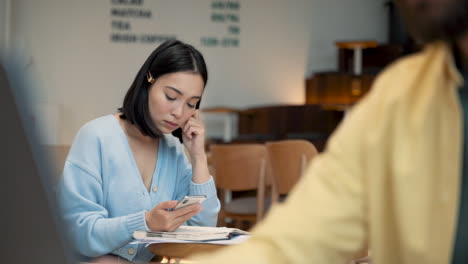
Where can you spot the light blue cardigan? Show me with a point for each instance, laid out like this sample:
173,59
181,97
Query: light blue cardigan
102,195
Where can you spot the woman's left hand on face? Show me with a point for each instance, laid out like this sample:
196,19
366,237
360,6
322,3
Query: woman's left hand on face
193,134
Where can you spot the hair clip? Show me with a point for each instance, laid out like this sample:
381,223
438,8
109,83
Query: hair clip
150,77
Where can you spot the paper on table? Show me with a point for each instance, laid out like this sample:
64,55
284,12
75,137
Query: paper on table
191,233
233,241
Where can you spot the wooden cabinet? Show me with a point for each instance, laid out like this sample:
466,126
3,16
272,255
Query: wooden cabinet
311,122
337,88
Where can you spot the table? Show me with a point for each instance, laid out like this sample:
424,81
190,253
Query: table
357,47
182,250
229,114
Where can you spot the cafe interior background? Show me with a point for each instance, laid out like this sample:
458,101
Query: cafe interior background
278,70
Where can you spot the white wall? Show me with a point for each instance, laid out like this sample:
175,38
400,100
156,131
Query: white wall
338,20
65,49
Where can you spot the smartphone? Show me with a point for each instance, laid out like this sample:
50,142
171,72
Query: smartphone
188,200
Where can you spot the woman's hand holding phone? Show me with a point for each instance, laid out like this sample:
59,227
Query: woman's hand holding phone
161,219
188,200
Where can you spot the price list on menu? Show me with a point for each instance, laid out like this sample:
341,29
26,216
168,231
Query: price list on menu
123,13
129,20
225,13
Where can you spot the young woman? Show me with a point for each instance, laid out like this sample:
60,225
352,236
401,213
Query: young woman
125,171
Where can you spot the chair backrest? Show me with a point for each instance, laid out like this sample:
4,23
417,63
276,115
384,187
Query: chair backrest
288,160
31,229
238,167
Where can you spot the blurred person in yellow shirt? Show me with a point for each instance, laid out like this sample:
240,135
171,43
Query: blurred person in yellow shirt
394,176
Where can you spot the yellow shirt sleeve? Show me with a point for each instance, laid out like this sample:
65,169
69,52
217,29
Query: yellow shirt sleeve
323,219
390,177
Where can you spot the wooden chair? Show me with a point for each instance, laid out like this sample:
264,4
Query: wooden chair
240,167
288,160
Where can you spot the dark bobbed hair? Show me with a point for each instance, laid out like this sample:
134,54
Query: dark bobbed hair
170,57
